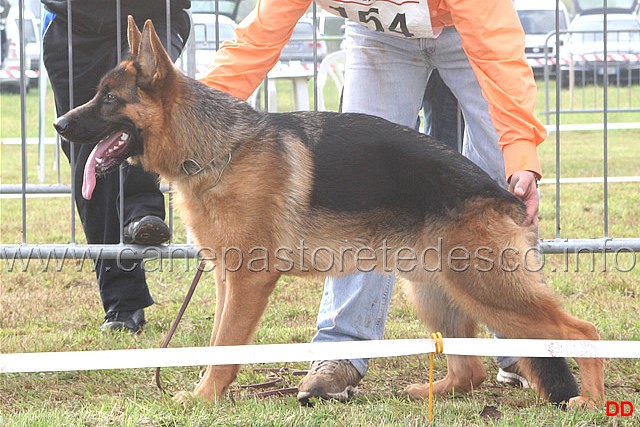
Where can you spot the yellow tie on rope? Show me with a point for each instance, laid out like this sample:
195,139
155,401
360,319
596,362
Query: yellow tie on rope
437,337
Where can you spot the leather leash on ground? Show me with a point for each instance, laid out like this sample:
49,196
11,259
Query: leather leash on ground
183,308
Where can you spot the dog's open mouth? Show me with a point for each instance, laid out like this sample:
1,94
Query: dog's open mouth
106,155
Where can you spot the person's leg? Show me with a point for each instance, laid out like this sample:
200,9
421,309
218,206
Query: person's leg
395,76
120,288
354,307
480,136
122,284
386,77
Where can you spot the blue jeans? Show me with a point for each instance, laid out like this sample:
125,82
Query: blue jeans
386,76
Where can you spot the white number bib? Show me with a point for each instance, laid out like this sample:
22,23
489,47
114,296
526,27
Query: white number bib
402,18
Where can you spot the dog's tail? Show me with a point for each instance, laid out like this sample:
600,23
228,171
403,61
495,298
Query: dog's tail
551,376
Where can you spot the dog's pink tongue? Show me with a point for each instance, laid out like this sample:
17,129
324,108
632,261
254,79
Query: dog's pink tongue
89,177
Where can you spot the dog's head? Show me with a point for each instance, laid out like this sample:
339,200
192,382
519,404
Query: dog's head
126,108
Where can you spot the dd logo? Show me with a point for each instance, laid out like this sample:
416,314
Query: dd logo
624,408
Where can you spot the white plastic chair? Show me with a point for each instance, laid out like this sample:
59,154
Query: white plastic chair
331,66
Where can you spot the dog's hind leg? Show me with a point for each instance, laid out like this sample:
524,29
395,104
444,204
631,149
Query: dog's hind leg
551,376
246,297
507,292
437,311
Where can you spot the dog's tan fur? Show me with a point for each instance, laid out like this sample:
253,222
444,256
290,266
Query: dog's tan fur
262,198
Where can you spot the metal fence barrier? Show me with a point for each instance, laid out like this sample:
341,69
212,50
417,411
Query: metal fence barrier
618,97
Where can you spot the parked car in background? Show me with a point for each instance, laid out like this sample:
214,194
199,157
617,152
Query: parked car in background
301,46
583,7
538,20
10,49
585,51
209,33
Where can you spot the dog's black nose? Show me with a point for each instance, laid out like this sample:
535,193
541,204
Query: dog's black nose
61,124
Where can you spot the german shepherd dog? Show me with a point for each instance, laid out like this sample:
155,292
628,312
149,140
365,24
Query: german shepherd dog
352,185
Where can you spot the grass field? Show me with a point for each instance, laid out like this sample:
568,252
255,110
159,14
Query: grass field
43,309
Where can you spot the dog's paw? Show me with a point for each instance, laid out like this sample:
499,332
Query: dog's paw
184,397
416,391
582,402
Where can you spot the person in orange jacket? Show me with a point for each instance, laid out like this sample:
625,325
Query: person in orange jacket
391,50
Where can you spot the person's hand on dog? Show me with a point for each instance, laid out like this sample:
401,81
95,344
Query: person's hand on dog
523,186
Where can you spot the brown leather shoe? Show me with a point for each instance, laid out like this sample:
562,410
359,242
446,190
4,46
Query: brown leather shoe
329,379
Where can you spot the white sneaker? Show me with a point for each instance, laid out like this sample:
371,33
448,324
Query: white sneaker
511,378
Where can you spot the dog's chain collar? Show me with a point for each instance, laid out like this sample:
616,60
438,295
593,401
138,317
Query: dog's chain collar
191,167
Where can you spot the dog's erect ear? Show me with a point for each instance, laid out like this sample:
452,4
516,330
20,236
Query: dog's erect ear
133,36
155,64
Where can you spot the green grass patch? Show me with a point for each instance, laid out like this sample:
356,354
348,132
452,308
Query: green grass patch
11,107
61,311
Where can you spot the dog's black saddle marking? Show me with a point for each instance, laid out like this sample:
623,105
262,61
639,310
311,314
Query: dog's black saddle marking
363,162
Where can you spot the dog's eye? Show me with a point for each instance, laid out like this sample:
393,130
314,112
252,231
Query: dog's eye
109,97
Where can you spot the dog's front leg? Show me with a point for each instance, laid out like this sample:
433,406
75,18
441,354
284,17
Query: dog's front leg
245,298
221,295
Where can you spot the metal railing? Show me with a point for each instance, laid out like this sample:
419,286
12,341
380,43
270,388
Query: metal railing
597,71
597,68
74,250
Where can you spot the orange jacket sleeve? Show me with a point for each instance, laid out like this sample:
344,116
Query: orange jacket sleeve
493,39
241,65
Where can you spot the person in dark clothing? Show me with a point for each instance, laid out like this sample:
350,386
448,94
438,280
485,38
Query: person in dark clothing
122,283
442,120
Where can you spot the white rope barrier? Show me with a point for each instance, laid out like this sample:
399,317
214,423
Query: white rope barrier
280,353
